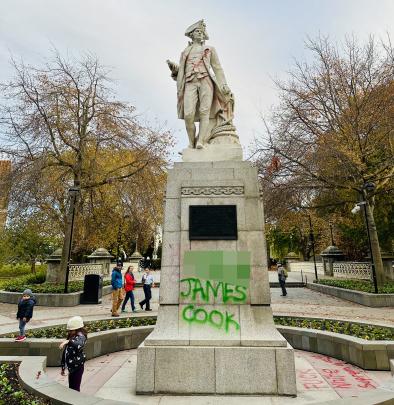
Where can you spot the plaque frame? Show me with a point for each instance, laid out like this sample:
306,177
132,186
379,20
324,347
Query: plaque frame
197,212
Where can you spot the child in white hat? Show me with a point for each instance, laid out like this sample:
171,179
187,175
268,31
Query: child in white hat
73,356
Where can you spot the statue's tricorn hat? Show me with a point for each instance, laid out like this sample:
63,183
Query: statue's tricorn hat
199,24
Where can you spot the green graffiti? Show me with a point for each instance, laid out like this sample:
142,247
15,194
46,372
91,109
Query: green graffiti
215,318
214,276
205,290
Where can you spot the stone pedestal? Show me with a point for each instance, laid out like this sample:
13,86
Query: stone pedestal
103,257
53,270
291,257
211,336
330,255
134,260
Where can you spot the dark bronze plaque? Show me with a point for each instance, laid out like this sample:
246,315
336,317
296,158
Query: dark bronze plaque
213,222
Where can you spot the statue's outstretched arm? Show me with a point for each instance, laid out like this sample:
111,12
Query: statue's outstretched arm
174,69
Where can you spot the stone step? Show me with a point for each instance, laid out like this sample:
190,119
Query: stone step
290,284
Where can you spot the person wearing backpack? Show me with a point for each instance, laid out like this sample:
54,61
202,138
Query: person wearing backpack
129,284
73,355
282,275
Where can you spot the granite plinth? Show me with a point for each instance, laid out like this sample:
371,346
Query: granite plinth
207,342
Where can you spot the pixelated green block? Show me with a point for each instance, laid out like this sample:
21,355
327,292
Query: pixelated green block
228,266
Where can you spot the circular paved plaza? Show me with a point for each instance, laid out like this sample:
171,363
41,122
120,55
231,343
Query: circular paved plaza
319,378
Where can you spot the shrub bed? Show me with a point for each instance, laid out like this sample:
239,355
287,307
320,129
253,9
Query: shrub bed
11,392
36,282
363,331
60,332
358,285
20,269
367,332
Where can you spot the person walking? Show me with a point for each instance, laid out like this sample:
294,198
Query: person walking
129,284
147,284
282,275
73,356
24,313
117,293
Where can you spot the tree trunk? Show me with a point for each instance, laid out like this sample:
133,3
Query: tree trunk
70,219
33,265
375,246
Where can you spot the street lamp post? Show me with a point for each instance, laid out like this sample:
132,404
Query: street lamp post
332,235
73,193
357,207
119,238
312,240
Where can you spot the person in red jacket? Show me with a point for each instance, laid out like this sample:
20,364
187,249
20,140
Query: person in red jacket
129,284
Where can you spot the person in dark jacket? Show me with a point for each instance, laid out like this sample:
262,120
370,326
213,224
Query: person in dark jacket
25,313
129,284
117,293
282,275
73,356
147,284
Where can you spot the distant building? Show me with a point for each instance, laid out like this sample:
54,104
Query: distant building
5,169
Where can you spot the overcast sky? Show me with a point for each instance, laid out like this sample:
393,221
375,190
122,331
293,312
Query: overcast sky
256,42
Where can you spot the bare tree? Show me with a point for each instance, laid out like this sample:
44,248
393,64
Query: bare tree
333,128
59,121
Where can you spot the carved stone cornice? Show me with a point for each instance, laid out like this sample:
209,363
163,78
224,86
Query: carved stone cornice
211,190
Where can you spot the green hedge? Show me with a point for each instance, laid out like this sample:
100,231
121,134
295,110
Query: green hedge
367,332
36,282
93,326
19,269
358,285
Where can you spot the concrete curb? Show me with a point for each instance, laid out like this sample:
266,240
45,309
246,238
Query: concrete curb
359,297
49,300
33,379
368,355
98,344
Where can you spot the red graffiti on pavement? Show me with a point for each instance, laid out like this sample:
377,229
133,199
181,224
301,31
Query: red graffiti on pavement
342,375
310,379
363,380
330,360
335,379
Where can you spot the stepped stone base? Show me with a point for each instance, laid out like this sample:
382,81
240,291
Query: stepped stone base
215,370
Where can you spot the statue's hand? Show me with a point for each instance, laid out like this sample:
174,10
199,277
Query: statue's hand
174,68
226,90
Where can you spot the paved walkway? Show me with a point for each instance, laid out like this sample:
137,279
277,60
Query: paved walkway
298,302
319,378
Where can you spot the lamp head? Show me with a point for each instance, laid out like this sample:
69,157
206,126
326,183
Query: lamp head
355,209
369,187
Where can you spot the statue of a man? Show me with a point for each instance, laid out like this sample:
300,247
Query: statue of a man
203,94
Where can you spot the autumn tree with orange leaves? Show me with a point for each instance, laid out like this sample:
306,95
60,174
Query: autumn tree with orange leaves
332,133
62,127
